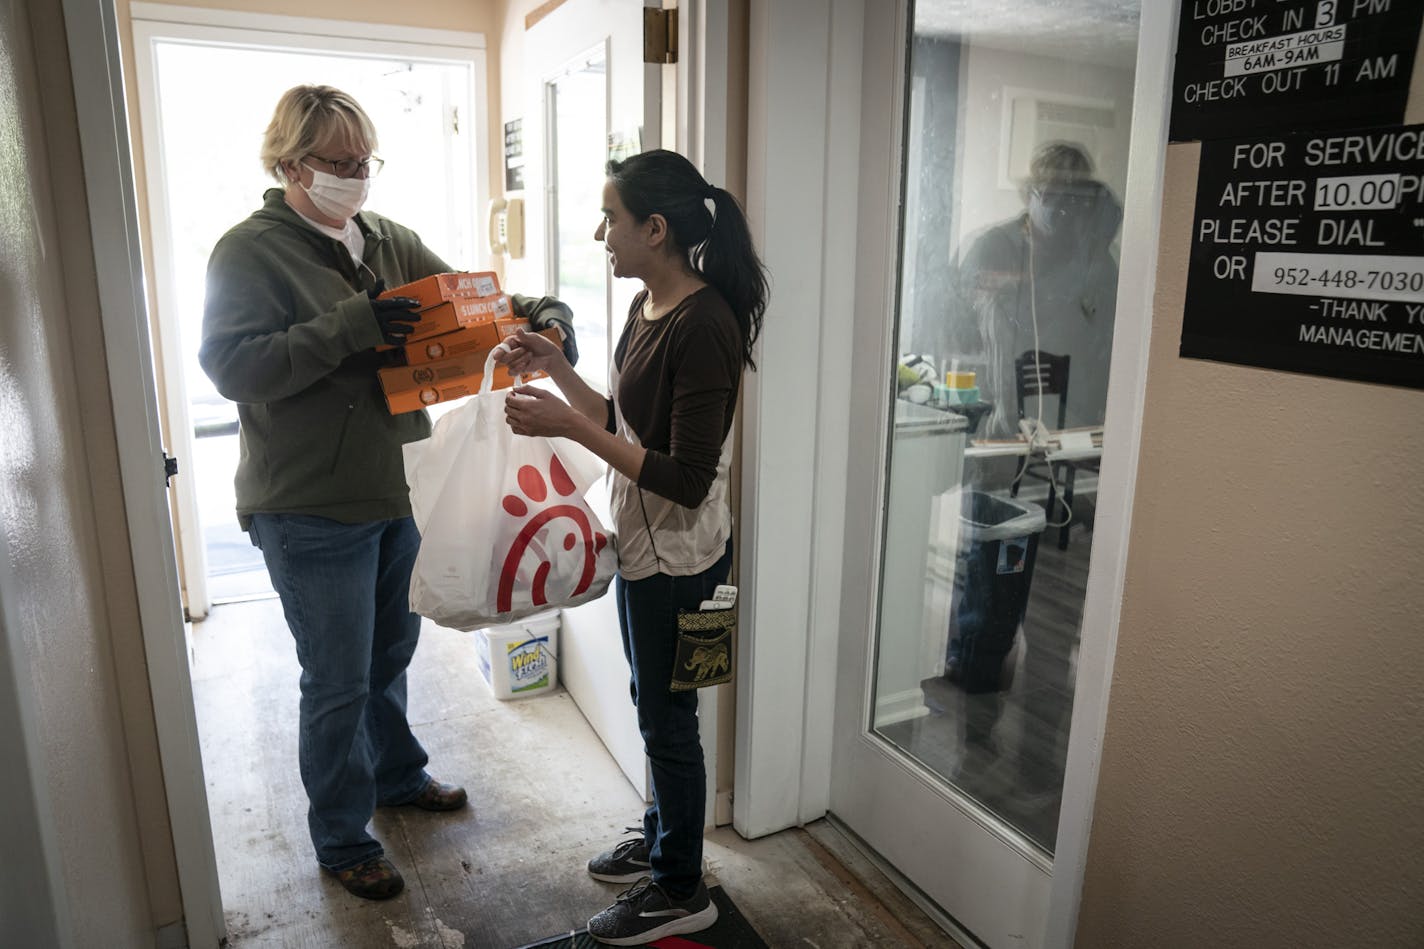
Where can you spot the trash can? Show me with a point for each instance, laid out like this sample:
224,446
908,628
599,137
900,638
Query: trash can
993,570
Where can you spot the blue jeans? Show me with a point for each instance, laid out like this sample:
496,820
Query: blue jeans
672,825
345,592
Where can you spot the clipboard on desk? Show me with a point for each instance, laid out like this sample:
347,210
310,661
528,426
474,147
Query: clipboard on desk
1071,444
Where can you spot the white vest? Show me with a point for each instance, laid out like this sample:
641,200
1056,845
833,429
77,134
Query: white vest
656,535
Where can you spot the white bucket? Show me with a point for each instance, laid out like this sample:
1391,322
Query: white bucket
521,659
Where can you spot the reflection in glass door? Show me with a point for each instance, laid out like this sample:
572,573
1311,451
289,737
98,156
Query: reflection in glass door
1014,152
1016,159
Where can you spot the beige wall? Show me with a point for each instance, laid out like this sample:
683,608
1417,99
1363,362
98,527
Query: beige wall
1265,736
70,589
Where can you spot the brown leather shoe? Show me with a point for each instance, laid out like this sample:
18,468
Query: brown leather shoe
373,879
436,796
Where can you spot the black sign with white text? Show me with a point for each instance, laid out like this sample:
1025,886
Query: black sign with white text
1308,255
514,155
1252,67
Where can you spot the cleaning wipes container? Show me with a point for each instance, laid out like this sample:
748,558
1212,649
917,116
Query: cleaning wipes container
521,659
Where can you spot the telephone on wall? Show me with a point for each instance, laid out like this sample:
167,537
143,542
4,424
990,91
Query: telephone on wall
506,226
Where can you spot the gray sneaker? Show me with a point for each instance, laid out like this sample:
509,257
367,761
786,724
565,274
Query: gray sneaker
625,863
645,913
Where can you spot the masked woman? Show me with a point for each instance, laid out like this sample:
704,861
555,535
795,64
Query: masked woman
665,430
290,326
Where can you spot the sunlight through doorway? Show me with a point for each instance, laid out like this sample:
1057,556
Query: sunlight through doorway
204,176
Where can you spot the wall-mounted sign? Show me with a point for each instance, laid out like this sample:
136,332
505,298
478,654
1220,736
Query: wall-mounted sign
1251,67
1308,255
514,155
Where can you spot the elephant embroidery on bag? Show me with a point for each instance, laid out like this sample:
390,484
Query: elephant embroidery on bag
707,661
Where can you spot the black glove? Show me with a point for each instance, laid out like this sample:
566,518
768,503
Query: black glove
395,315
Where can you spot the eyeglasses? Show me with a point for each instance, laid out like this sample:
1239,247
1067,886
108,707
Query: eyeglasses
1065,197
353,167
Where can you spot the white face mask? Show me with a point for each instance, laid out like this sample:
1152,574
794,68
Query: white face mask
1043,218
337,198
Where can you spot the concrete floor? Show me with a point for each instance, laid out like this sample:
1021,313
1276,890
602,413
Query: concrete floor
509,870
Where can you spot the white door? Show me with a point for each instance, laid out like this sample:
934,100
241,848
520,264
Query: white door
588,96
957,691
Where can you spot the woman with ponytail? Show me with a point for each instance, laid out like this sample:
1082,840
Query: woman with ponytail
665,429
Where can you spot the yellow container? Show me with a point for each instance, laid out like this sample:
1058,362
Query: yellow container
959,380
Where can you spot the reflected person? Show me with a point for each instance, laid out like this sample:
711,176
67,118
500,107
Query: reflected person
1044,280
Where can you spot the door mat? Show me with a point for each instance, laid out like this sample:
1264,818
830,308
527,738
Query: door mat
731,931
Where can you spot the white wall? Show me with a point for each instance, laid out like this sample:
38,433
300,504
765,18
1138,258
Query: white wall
802,184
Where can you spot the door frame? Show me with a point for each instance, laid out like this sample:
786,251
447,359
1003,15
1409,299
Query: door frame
804,123
804,156
95,66
153,22
1127,398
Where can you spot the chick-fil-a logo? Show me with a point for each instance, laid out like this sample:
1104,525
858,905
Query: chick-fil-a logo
536,489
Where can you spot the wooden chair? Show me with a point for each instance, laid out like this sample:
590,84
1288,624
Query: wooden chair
1039,374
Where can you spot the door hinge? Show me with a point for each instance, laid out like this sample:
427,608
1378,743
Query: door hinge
170,468
659,35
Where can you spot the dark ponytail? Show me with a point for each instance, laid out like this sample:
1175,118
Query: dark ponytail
718,243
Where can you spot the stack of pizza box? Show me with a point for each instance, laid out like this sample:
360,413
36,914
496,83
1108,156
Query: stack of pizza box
462,317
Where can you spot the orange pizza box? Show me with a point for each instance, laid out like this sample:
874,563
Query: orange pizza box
464,340
460,312
438,288
408,388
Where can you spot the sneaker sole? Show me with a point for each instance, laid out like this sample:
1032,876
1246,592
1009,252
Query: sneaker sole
632,876
695,923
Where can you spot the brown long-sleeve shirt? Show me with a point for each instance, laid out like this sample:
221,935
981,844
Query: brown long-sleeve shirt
677,389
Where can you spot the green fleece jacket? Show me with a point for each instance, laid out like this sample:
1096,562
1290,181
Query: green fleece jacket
289,335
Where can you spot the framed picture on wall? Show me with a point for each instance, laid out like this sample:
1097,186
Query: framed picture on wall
1032,117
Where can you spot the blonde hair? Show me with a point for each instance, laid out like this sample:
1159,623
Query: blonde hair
1060,163
307,116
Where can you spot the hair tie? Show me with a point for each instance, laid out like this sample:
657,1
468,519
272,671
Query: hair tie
710,194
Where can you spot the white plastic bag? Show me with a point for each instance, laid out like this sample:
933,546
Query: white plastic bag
504,528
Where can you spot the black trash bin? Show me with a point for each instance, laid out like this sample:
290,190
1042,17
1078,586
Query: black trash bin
998,542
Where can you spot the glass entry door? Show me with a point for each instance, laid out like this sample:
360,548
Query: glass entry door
1014,164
